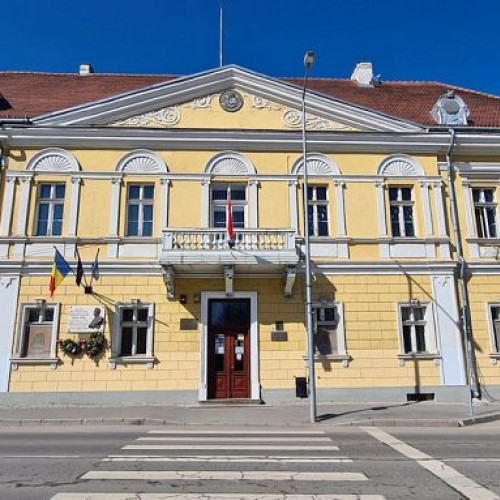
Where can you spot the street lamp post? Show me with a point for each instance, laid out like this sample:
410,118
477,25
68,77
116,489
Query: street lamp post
308,63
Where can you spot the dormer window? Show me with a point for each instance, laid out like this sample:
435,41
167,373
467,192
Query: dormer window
450,109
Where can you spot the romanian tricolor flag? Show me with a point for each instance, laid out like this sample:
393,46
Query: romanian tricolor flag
60,269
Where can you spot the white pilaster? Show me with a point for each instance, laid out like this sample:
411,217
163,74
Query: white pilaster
292,193
339,195
441,219
115,206
430,249
471,226
205,203
382,218
8,206
115,215
165,191
427,209
469,209
447,329
253,187
22,220
76,182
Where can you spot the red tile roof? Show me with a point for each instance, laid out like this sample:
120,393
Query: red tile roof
24,94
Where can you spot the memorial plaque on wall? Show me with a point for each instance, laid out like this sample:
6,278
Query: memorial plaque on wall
81,317
188,324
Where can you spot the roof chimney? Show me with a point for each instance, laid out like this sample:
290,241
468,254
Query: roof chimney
363,74
86,69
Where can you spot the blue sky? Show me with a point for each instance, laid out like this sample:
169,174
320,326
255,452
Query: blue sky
456,42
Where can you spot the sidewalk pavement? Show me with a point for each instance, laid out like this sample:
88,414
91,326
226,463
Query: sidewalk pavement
411,414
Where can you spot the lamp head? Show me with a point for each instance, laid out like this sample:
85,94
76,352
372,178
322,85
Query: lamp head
309,59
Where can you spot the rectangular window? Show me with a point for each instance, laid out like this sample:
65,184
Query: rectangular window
50,209
328,339
401,210
495,327
219,194
317,210
485,209
415,329
38,331
140,203
135,330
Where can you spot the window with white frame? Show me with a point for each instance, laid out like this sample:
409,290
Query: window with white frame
416,330
134,330
38,331
328,329
494,311
401,210
140,203
219,197
485,209
50,209
317,210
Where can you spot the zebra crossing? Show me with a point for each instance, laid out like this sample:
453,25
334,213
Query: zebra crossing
225,465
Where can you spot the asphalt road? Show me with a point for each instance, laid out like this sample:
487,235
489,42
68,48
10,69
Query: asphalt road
187,462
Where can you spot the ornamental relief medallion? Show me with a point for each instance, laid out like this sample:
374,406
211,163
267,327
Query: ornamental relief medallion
166,117
262,103
292,118
204,102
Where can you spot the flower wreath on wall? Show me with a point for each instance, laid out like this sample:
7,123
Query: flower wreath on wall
93,347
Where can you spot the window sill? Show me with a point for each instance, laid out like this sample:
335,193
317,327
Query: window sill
419,356
319,358
15,362
132,360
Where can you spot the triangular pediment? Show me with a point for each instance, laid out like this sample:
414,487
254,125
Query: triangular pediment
225,98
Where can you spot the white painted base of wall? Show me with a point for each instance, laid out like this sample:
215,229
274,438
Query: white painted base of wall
9,287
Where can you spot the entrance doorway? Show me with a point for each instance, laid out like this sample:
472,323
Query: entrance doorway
228,348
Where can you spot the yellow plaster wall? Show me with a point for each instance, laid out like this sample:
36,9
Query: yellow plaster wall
370,320
484,289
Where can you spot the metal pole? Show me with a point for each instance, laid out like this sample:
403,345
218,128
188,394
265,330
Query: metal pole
221,39
308,62
475,390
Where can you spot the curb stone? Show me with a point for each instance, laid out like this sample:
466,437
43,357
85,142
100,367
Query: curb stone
480,419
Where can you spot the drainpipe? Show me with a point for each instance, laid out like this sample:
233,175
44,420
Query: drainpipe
466,319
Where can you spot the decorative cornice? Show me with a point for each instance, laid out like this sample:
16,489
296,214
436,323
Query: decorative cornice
289,141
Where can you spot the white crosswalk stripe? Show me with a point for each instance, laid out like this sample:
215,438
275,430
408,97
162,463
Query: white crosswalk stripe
297,461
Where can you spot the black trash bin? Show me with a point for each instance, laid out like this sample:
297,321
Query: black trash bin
301,387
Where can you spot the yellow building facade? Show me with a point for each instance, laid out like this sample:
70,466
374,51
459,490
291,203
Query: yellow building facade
140,182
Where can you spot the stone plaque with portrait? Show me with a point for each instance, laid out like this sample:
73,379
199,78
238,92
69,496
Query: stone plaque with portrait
86,319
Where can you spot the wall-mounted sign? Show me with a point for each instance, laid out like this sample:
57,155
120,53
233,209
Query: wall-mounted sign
188,324
279,336
86,319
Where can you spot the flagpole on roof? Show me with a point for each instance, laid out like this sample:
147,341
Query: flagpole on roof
221,39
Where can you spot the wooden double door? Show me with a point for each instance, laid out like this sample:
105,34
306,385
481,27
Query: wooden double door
229,348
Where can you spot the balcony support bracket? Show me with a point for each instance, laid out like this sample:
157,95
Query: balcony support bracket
169,280
290,276
229,278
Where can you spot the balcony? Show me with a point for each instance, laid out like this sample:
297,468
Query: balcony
202,247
